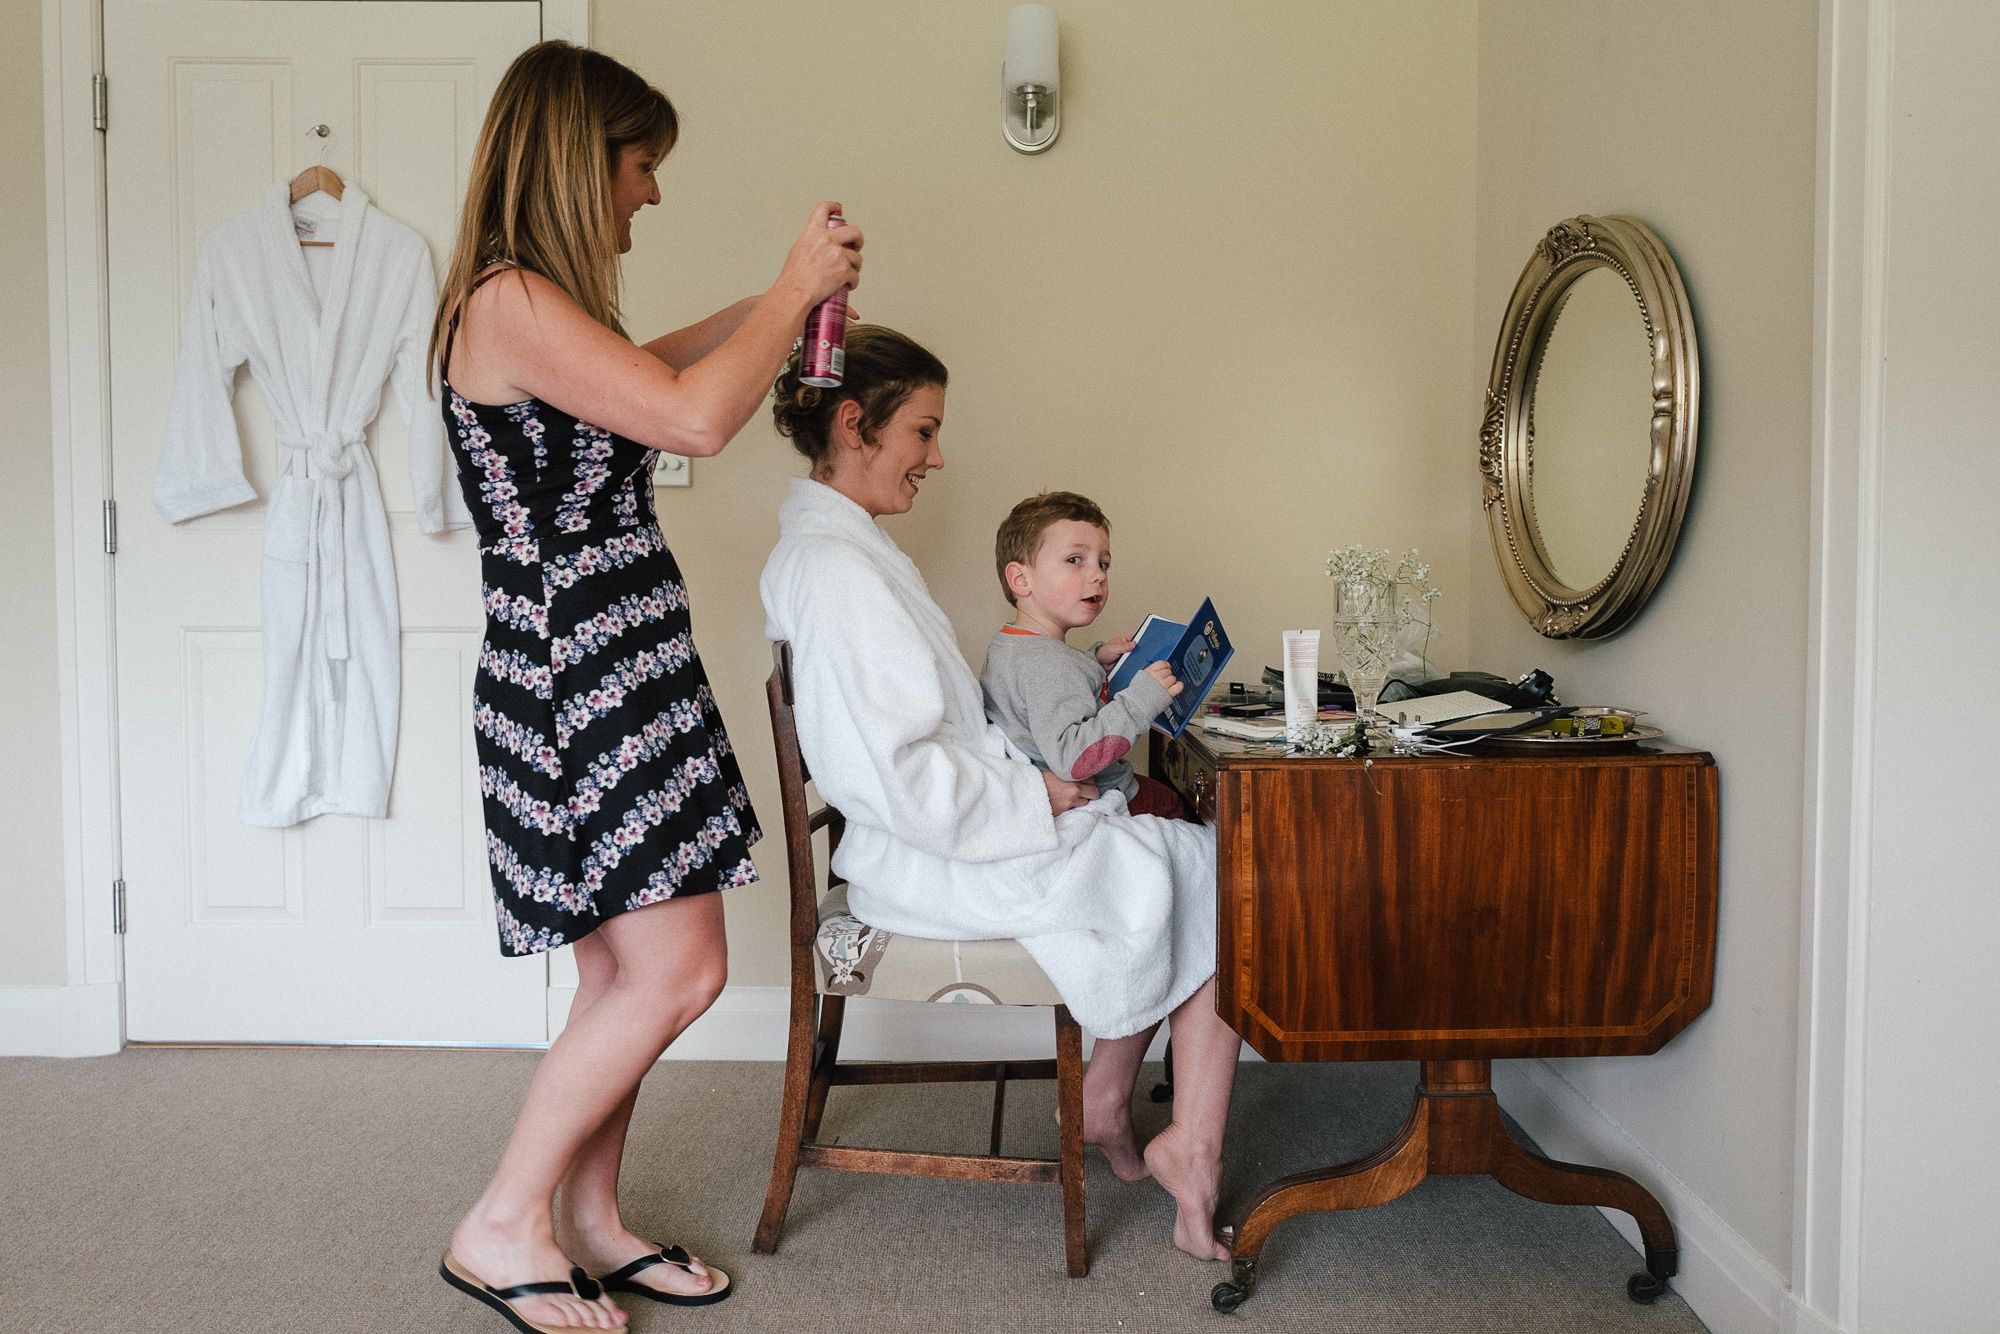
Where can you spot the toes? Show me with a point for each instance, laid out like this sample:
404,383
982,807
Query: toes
599,1314
595,1315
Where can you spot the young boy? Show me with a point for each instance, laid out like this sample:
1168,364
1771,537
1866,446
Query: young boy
1053,554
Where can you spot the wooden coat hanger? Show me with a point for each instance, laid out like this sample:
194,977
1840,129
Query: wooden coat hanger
316,177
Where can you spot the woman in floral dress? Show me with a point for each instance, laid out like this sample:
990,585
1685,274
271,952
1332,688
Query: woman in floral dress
614,808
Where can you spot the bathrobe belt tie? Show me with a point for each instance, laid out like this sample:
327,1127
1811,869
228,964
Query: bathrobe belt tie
329,457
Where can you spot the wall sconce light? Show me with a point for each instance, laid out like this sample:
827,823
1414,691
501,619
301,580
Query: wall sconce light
1030,79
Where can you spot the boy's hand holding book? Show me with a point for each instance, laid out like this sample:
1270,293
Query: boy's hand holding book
1186,659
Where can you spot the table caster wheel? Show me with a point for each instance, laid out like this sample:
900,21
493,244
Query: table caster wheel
1645,1289
1226,1297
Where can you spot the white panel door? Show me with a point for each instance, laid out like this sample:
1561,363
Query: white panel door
338,929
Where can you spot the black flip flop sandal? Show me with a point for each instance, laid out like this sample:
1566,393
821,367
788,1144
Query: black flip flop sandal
620,1280
580,1285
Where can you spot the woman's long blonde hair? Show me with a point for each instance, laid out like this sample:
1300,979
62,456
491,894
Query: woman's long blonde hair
540,193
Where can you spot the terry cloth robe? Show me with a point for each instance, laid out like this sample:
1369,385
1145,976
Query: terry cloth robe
320,344
949,834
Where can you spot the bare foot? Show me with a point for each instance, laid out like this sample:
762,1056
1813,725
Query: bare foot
504,1258
603,1249
1111,1134
1193,1176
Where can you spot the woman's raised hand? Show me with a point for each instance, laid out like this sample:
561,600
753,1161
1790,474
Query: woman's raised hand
823,260
1065,795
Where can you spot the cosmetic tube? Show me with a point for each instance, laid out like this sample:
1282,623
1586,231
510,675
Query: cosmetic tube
1301,679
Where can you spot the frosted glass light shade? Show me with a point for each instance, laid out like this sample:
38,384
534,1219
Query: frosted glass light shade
1031,47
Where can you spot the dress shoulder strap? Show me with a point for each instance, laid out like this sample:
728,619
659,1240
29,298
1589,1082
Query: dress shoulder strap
451,328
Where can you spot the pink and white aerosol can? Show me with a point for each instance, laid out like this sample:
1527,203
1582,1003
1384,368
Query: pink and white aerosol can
823,353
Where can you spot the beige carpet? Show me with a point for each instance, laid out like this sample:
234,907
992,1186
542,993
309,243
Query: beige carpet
311,1190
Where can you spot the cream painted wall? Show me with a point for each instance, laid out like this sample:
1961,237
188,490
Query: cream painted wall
1698,118
32,945
1232,304
1930,1078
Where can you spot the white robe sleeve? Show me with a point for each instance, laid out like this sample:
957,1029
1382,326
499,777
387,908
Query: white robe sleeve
201,459
871,704
433,475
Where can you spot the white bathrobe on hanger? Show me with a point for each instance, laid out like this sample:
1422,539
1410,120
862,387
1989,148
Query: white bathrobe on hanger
326,741
949,833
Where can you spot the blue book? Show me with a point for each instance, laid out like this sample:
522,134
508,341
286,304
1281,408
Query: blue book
1195,652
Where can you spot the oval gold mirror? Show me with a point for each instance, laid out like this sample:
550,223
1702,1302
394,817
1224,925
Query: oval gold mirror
1588,442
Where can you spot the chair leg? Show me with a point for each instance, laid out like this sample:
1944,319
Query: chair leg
792,1132
999,1115
1069,1097
832,1013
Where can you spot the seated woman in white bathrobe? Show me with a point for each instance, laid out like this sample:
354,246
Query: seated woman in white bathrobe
950,834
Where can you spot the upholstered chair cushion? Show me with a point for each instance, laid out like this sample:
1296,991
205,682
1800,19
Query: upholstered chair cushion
853,959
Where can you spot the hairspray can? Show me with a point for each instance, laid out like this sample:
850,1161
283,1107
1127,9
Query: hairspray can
823,354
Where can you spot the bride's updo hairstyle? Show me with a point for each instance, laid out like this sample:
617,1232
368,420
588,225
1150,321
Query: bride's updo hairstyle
883,369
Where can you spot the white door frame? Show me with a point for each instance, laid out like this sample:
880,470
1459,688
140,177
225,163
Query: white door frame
1848,303
92,1016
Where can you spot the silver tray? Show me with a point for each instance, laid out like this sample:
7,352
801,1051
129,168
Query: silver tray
1546,742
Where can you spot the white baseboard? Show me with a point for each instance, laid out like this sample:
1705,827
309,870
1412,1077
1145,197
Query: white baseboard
1798,1318
1732,1288
748,1024
61,1021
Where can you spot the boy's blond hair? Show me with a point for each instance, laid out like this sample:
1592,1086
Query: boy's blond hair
1020,534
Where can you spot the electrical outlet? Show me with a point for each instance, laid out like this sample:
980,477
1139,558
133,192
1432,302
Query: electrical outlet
672,469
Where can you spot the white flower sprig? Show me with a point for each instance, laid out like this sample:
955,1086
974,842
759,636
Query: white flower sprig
1360,567
1317,738
1403,583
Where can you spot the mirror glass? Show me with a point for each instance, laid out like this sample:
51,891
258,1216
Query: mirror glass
1592,428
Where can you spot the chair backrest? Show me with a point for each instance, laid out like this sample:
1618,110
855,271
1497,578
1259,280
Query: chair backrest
801,821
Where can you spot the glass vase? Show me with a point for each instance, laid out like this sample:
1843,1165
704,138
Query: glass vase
1365,626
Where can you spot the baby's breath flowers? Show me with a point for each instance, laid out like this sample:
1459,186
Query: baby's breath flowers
1372,576
1318,738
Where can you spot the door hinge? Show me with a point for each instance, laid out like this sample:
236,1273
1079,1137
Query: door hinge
117,907
100,101
110,527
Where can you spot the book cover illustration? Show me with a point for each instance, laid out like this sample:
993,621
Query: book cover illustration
1195,652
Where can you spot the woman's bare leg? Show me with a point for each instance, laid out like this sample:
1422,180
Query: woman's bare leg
1186,1157
594,1224
669,967
1107,1101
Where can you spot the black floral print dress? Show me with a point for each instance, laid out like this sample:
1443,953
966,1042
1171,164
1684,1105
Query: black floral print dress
608,778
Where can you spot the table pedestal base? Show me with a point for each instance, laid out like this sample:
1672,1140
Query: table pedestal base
1453,1129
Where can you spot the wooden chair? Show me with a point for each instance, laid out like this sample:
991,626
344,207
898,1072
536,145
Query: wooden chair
834,956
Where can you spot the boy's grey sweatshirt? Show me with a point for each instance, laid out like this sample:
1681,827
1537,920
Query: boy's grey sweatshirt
1048,699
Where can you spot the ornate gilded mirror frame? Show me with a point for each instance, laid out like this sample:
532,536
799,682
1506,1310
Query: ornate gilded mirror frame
1507,436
